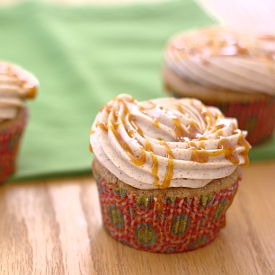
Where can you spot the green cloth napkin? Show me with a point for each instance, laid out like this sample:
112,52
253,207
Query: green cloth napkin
83,57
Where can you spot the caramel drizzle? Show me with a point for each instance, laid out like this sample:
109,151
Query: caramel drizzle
137,160
156,123
219,43
198,153
90,146
154,166
169,168
225,147
135,126
119,120
22,79
243,142
181,134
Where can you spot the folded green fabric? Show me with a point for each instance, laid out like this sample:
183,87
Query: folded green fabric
83,57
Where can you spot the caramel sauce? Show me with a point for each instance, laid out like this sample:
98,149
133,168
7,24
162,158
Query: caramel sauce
228,148
114,124
90,146
156,123
200,156
181,134
154,166
127,113
137,160
32,92
168,173
23,80
242,141
224,44
225,147
103,126
149,101
229,204
131,133
179,108
107,108
201,144
219,126
170,167
197,147
207,116
201,138
91,149
214,43
135,126
223,225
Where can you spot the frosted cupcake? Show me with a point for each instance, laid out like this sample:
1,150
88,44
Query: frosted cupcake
167,170
16,85
232,71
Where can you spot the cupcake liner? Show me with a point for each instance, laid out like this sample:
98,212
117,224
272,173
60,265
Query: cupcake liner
9,144
155,223
257,117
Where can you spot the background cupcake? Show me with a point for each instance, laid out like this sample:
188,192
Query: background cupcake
16,85
231,70
167,170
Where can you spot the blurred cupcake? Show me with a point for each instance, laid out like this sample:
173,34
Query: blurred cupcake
16,85
232,71
167,170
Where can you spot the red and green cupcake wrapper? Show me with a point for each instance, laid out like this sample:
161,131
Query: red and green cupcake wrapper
162,224
9,146
257,117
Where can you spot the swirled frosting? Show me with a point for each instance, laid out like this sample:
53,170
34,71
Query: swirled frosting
166,142
220,57
16,85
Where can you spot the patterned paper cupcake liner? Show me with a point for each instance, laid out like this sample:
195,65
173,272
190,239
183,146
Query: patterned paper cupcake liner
257,117
9,145
162,224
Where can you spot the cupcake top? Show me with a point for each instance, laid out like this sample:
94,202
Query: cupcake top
166,142
221,57
16,85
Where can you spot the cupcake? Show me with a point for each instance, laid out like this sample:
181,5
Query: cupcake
232,71
16,85
167,170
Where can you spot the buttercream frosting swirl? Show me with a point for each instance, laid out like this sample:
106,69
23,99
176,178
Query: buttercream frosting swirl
166,142
16,85
222,57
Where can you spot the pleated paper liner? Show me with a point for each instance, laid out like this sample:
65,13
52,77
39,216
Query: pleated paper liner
10,136
162,224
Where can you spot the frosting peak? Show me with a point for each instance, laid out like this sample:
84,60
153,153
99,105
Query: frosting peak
16,85
166,142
